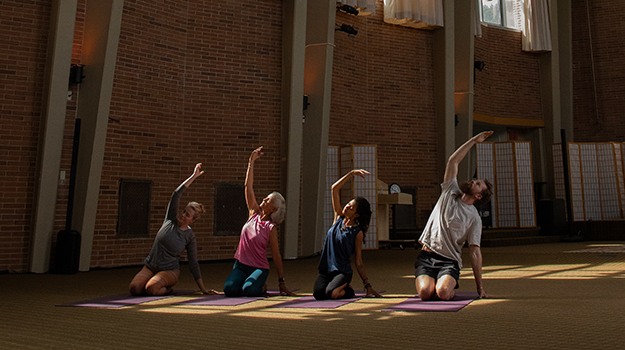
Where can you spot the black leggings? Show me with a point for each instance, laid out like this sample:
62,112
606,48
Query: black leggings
327,283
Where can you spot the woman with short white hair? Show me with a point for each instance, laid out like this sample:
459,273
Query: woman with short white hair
251,267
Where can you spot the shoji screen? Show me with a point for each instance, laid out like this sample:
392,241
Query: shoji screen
596,179
505,185
362,157
608,182
508,165
332,174
486,170
524,184
619,157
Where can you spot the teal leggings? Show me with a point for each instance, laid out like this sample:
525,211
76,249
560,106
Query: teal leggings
245,280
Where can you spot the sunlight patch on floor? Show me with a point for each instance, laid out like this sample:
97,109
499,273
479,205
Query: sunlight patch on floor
196,310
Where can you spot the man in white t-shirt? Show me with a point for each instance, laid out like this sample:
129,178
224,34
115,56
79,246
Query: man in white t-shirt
454,221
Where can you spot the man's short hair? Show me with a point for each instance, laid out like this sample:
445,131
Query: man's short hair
486,194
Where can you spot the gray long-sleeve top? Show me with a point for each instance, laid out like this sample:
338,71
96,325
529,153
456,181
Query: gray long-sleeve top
171,241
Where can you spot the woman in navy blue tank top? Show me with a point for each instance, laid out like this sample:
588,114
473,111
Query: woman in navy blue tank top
344,239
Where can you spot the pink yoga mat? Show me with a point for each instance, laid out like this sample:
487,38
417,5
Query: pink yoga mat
121,300
309,302
460,300
222,300
218,300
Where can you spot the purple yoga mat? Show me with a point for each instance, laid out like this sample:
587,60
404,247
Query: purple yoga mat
222,300
121,300
363,294
309,302
275,292
218,300
460,300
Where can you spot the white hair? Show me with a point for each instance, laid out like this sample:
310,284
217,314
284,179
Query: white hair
280,214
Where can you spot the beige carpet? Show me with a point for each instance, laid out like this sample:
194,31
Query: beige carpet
552,296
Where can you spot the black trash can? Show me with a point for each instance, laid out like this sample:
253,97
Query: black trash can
551,215
67,252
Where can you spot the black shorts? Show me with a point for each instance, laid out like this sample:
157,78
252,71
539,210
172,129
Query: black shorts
436,266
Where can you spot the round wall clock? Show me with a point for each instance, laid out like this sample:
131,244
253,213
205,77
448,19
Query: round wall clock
394,188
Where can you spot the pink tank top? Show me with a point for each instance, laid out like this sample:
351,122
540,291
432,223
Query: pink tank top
252,250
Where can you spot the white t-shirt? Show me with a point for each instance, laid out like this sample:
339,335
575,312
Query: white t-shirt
451,224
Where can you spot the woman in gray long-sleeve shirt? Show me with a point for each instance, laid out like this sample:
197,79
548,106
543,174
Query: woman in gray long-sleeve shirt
162,269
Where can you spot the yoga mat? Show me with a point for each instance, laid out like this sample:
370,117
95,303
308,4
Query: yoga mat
222,300
309,302
363,294
121,300
218,300
460,300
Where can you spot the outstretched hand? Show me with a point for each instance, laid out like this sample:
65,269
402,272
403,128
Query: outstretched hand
257,153
484,295
371,293
481,137
198,170
211,292
359,172
285,291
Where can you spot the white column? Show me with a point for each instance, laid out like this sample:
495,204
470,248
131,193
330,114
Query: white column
102,28
318,86
294,38
62,20
444,85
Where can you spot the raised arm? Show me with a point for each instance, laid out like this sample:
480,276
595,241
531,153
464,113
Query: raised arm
250,198
360,266
451,171
336,189
172,207
196,173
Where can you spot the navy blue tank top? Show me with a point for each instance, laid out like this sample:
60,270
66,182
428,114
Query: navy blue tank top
339,247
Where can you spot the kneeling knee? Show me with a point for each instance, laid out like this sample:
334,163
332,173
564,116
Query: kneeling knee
137,290
445,294
154,289
423,295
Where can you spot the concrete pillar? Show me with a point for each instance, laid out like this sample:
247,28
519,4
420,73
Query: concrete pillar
464,48
62,20
556,76
444,72
101,38
317,85
294,38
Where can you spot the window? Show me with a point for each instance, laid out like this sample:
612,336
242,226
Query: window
133,215
505,13
230,209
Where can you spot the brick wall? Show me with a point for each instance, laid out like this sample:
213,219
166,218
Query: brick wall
599,121
509,84
383,94
199,81
24,27
196,81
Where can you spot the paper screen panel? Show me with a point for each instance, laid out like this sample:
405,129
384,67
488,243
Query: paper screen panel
618,156
486,170
575,174
525,184
558,172
347,163
332,174
505,187
608,189
590,181
365,157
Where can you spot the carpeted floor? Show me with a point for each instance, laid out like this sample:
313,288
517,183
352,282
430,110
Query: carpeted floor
551,296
